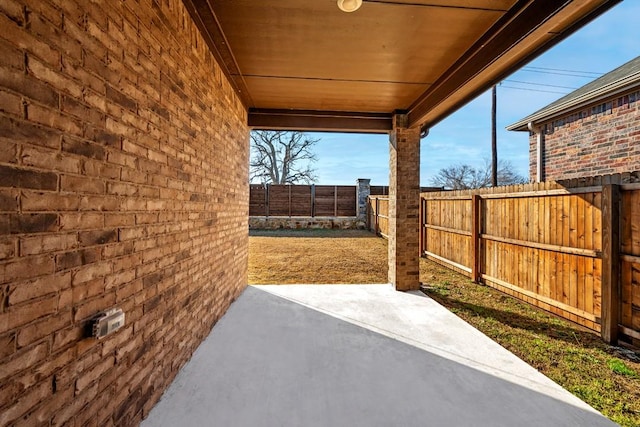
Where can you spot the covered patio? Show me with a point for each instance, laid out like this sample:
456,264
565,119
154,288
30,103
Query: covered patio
124,186
365,355
389,66
357,355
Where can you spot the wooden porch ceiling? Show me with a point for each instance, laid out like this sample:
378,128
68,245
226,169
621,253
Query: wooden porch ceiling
305,64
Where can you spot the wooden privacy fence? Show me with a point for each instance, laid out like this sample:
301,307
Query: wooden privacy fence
571,249
378,215
302,200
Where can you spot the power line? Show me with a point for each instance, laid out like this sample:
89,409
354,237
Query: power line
559,73
533,90
539,84
563,70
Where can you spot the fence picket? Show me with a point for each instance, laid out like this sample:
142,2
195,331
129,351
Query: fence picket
543,243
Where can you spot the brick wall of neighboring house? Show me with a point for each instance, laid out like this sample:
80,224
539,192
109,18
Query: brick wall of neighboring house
123,183
598,140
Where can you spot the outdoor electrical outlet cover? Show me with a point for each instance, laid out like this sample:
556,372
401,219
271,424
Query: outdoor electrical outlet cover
107,322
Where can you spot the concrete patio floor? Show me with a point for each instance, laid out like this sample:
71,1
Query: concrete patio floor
357,355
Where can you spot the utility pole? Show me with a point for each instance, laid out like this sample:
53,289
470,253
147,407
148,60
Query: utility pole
494,142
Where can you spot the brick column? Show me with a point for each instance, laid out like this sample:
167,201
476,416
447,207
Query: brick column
404,205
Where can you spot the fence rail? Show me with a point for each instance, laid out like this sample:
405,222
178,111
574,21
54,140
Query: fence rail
572,249
378,218
302,200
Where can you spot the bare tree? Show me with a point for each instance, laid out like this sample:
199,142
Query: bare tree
280,157
462,176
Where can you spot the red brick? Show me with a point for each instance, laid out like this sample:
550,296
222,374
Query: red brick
43,413
33,223
94,306
42,27
94,373
82,111
24,359
20,130
101,170
49,243
98,237
64,337
9,153
54,119
91,271
7,247
40,201
79,184
47,74
10,103
596,145
37,288
8,200
25,178
11,57
73,259
81,221
87,290
46,10
7,345
43,328
48,159
128,289
29,87
24,268
75,70
23,404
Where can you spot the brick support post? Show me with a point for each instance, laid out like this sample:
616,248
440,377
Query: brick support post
404,205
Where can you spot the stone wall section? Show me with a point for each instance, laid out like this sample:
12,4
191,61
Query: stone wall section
305,222
123,183
602,139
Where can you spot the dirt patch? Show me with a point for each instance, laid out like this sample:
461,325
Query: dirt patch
316,257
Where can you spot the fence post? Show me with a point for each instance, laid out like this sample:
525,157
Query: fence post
377,216
476,206
422,221
610,263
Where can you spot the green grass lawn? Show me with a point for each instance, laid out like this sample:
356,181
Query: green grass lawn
605,377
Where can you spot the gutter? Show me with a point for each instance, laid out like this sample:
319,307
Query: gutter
536,129
596,95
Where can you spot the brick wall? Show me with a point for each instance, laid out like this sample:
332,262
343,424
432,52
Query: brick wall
598,140
123,183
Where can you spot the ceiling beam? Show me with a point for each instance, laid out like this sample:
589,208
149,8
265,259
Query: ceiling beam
503,37
322,121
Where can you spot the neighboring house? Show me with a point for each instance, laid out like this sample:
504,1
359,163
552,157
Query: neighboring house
594,130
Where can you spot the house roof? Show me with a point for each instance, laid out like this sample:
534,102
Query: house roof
307,65
621,79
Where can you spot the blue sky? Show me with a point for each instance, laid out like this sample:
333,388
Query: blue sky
465,136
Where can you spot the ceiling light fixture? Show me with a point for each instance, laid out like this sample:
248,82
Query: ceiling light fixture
349,5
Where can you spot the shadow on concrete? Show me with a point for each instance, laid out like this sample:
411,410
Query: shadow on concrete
273,362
